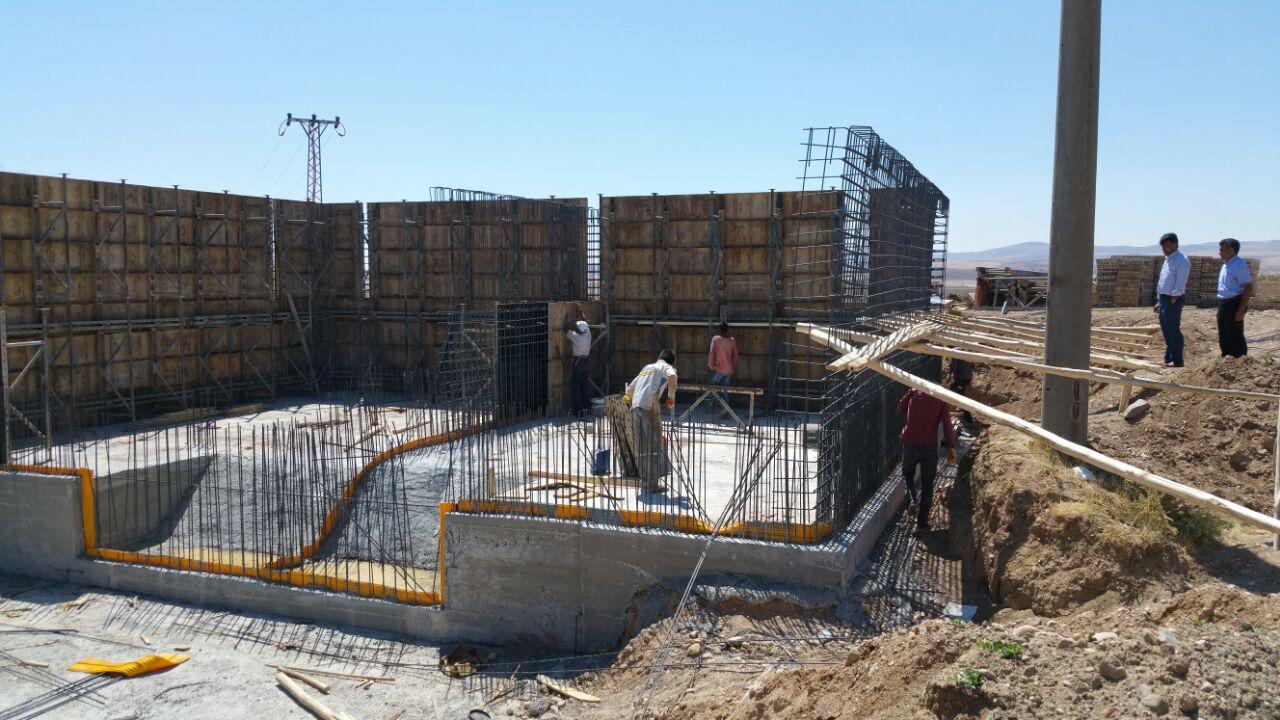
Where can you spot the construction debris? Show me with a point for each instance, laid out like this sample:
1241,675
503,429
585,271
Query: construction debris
304,677
315,707
463,660
566,690
129,668
78,602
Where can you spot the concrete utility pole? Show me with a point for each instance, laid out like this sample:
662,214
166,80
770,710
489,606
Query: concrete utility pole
1065,411
314,127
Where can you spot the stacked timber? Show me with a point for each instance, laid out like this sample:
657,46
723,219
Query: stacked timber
1127,280
1020,288
1130,280
1202,283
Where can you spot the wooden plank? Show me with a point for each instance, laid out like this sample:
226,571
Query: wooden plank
1135,474
567,691
1100,375
858,359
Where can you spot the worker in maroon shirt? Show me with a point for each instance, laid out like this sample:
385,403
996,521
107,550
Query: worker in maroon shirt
920,448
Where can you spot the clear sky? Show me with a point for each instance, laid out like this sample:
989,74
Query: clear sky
574,99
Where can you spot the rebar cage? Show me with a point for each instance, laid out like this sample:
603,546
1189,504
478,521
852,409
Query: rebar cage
431,350
881,228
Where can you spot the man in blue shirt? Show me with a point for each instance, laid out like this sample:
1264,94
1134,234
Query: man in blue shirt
1235,287
1170,296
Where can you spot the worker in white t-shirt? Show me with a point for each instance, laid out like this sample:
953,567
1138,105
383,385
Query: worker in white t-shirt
579,334
650,391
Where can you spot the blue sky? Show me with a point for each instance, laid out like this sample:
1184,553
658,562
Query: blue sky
581,99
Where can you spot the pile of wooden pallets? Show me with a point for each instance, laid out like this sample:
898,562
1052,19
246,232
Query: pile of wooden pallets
1130,280
1202,282
1127,280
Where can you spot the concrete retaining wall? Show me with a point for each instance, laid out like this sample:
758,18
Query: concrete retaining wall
534,581
41,531
568,584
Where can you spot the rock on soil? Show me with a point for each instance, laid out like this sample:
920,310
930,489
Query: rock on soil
1137,410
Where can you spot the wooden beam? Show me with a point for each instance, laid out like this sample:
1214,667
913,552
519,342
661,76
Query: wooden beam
858,359
1137,332
315,707
1275,507
567,478
1132,473
694,323
730,389
1094,374
1037,334
1028,347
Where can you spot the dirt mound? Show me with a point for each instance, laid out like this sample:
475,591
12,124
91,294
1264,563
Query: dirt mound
1223,445
1050,540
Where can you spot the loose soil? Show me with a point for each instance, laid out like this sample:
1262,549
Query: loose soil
1223,445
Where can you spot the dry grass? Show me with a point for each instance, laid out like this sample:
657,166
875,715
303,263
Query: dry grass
1127,514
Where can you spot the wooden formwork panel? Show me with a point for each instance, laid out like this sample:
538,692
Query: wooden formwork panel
687,256
635,346
430,256
168,294
560,317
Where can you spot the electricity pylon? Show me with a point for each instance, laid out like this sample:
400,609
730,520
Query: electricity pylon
314,128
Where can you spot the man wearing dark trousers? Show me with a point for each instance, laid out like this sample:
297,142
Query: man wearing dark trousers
961,379
920,448
1170,296
1235,287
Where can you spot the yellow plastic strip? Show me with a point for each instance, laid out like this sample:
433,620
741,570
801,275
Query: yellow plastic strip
808,534
297,578
130,668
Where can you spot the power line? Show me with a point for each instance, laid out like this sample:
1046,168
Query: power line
253,182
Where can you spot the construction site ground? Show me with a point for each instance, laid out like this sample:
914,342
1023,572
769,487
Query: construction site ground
1114,608
1093,599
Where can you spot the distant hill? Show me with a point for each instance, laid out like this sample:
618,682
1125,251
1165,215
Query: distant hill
1035,256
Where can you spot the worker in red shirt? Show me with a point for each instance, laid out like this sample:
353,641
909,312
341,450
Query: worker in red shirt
920,448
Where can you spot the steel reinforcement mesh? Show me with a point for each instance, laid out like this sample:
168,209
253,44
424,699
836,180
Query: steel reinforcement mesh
879,227
867,243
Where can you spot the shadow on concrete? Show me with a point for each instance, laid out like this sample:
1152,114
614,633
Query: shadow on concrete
140,507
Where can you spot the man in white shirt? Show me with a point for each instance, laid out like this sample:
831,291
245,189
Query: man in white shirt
1170,297
580,340
650,391
1235,287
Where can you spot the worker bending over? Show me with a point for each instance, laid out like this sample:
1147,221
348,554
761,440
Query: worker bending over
920,448
650,391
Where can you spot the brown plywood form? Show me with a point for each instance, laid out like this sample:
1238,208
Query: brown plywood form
152,299
710,256
674,265
427,258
